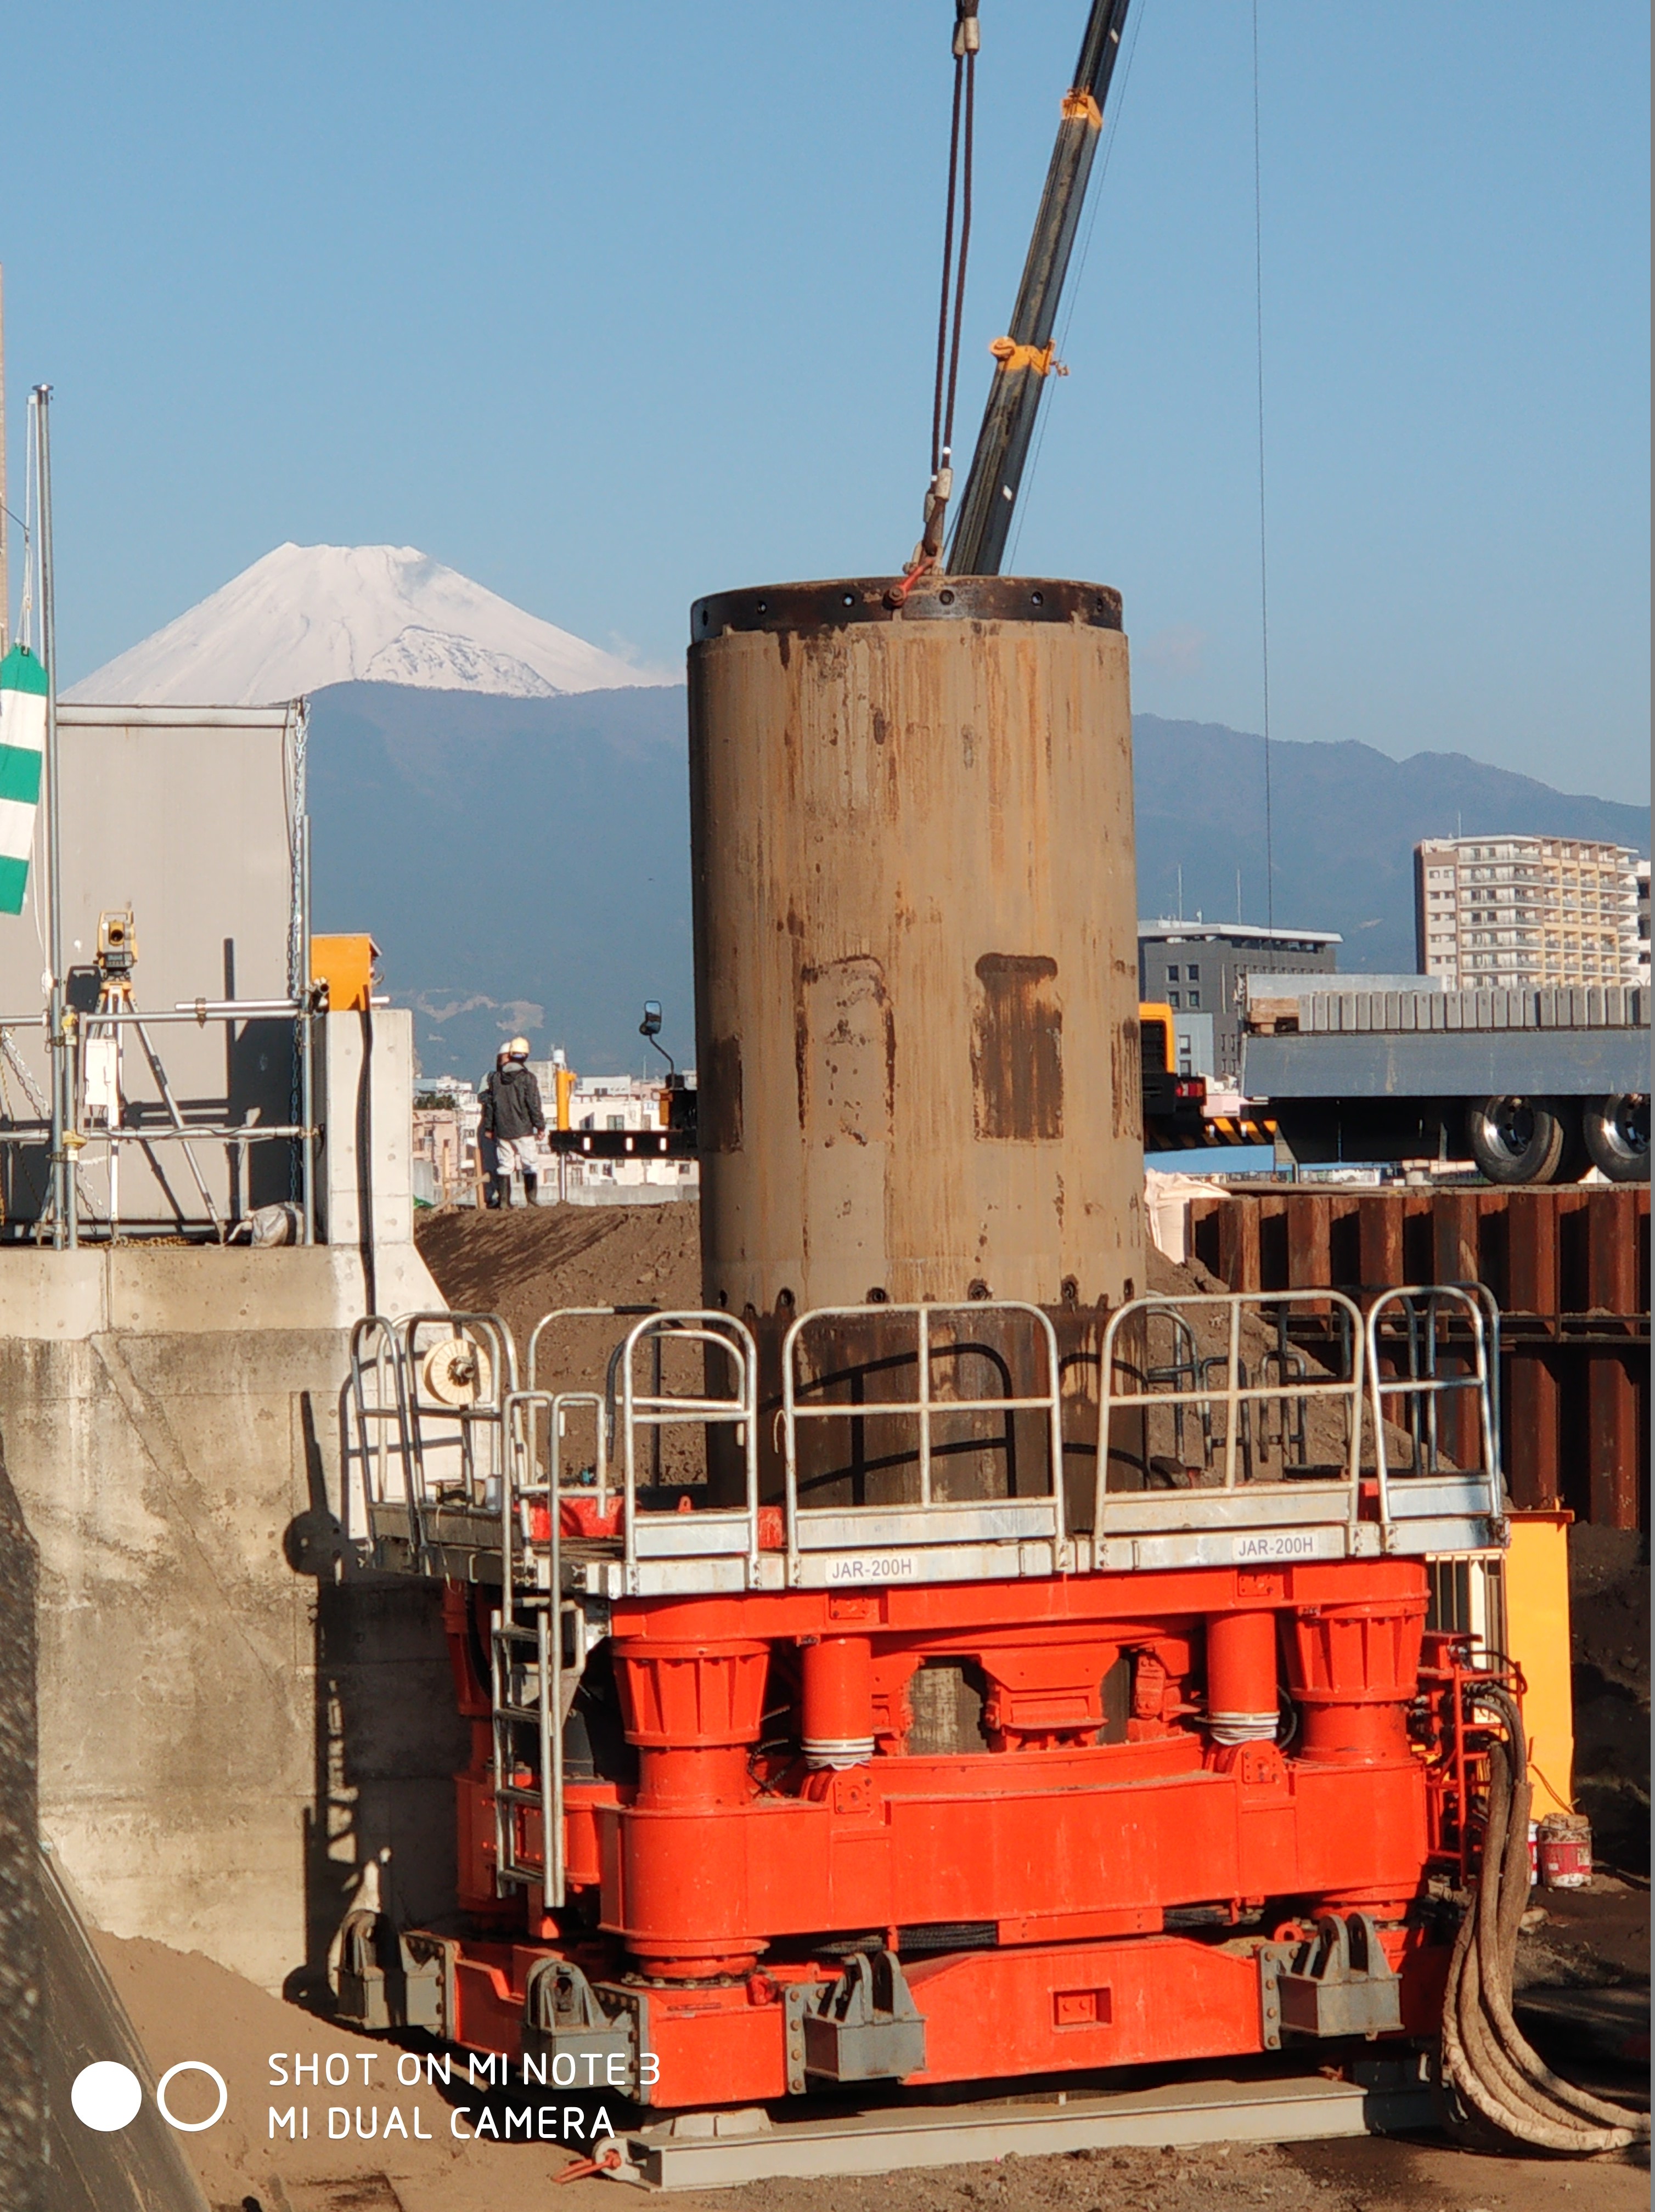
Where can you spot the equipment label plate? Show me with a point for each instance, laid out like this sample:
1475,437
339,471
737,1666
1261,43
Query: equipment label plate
1274,1546
873,1567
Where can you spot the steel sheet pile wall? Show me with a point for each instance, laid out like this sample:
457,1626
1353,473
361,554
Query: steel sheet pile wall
916,989
1570,1268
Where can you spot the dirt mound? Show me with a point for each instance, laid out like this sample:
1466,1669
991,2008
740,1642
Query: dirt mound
524,1264
1325,1441
186,2007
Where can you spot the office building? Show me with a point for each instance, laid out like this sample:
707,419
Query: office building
1200,969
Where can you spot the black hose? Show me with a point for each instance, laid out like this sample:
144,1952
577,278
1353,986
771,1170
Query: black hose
1485,2053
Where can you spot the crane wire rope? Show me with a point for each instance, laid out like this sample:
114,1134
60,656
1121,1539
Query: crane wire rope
1114,132
1263,568
950,306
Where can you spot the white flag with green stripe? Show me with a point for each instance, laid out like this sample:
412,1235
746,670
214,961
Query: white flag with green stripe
22,741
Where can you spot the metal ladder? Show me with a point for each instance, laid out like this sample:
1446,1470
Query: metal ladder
525,1689
531,1689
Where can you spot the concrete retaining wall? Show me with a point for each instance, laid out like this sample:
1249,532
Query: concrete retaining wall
21,2179
233,1718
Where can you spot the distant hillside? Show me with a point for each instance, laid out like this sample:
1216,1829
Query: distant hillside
524,862
1345,820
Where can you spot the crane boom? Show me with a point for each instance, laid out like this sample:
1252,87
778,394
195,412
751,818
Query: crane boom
1026,356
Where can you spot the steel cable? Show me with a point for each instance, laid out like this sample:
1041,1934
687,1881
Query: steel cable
951,304
947,269
966,162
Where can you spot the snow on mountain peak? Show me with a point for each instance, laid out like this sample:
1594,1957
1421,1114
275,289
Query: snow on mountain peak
306,616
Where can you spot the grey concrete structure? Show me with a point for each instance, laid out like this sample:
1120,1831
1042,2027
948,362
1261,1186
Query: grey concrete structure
365,1109
233,1719
1201,967
189,816
21,2117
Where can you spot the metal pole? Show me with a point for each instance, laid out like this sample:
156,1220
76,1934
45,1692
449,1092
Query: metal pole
307,1039
5,520
65,1228
1002,446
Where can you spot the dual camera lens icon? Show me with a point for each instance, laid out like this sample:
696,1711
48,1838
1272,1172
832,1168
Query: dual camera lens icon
106,2095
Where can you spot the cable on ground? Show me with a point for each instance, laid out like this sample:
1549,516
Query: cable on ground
1486,2055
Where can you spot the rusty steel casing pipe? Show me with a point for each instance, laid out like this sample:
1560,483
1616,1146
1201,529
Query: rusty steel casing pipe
916,943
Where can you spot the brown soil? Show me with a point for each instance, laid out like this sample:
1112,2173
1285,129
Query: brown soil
523,1264
184,2007
526,1264
1326,1438
1608,1600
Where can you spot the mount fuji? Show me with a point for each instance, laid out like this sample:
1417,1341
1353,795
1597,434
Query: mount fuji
307,617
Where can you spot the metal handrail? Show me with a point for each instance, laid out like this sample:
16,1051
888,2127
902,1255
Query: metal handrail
560,1401
921,1408
112,1019
1417,1301
389,1411
514,1492
657,1410
1235,1394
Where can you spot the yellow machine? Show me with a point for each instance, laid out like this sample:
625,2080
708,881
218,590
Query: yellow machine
346,965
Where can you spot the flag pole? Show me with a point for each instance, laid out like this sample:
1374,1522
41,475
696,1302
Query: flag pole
65,1226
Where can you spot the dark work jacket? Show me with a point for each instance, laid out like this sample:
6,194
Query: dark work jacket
511,1102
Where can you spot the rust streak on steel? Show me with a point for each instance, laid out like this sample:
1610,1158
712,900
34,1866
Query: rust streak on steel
1533,1395
1613,1425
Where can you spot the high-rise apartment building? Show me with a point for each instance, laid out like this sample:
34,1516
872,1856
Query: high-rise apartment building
1492,913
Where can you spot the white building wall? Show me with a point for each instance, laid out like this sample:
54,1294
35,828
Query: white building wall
1516,912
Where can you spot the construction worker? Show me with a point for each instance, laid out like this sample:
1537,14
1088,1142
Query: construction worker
488,1155
514,1118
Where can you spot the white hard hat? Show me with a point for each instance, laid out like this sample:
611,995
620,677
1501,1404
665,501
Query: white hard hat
519,1048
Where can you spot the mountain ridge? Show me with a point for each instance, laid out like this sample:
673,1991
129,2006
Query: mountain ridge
524,863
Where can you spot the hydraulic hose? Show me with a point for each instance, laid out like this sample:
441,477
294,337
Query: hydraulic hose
1485,2053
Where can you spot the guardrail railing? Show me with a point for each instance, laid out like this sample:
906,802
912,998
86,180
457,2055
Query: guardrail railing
1422,1505
1231,1496
928,1519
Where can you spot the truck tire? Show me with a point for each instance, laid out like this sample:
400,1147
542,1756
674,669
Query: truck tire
1617,1131
1520,1139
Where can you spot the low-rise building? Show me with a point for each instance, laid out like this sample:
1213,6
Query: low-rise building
1200,969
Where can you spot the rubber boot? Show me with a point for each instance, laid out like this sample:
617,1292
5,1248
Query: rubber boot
531,1189
492,1195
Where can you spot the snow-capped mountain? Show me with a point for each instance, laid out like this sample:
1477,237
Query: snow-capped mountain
306,616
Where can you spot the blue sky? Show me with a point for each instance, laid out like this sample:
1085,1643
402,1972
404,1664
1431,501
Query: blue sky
611,306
